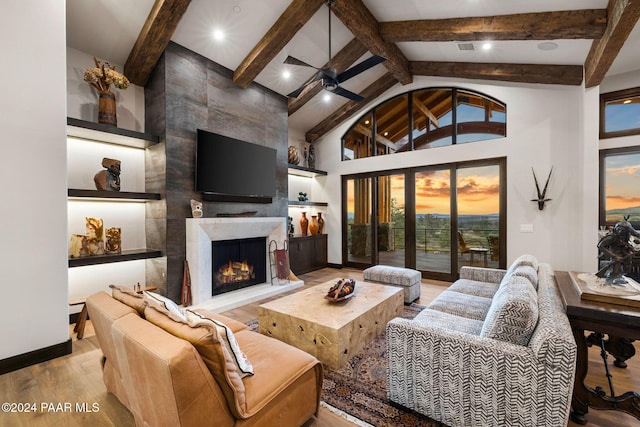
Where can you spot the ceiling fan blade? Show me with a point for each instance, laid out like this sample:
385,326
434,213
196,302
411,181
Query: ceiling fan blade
294,61
347,94
296,93
359,68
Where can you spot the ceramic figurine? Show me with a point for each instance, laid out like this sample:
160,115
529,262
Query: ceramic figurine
113,245
311,161
109,179
196,209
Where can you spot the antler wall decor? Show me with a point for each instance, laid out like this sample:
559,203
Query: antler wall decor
541,195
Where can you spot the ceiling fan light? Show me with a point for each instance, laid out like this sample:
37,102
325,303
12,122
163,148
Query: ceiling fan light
329,85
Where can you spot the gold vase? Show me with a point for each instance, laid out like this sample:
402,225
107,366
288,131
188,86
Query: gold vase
313,225
107,108
304,224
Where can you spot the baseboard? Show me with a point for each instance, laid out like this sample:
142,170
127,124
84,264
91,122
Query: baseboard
331,265
36,356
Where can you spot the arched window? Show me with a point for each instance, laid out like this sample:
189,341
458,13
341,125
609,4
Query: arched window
425,118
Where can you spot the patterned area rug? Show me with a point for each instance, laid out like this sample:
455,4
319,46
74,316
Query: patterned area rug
359,388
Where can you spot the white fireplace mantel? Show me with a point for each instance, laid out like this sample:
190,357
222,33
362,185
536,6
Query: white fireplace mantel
202,231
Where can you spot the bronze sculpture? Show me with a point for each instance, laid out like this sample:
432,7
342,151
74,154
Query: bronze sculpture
616,250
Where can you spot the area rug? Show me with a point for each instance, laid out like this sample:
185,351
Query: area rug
359,389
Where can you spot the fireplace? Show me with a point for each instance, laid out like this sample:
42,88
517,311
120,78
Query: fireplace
201,232
237,264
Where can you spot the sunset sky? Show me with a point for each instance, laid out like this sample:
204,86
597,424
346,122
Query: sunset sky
478,191
622,181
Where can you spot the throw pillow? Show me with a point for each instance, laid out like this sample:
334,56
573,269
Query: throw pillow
164,305
208,342
128,297
527,272
228,340
529,260
513,314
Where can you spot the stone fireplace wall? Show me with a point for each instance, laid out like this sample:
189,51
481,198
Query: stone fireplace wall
185,92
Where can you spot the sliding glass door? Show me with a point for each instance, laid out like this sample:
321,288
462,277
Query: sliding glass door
434,219
387,244
357,218
478,224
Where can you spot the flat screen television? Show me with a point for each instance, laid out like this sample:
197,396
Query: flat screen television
231,170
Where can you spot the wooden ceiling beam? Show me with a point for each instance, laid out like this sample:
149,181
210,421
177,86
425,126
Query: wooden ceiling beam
341,61
379,138
364,26
522,73
288,24
424,110
153,39
347,110
571,24
623,16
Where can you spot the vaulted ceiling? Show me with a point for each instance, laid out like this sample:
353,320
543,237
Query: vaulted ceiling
567,42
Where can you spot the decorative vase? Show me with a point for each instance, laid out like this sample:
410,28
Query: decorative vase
107,108
304,224
293,155
313,225
320,223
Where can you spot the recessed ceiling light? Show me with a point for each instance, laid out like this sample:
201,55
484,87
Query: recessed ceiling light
218,34
237,9
486,45
366,122
326,97
286,74
548,46
386,134
626,101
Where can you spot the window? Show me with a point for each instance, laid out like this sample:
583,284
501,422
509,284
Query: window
425,118
620,113
619,190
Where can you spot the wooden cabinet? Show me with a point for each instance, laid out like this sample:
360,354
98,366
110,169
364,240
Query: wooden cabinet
307,253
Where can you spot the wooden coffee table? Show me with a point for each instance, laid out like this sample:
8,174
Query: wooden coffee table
332,332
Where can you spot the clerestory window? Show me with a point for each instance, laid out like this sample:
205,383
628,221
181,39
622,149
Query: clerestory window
425,118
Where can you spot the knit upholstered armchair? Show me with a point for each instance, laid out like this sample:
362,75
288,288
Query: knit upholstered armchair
443,365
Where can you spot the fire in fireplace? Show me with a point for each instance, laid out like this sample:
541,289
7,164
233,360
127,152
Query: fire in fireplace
238,263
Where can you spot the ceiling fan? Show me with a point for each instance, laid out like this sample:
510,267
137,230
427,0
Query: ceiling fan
329,76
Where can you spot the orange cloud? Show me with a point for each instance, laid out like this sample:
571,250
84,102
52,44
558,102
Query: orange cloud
621,202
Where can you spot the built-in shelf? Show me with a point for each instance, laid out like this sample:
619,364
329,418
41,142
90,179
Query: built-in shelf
128,255
112,196
297,203
100,132
306,172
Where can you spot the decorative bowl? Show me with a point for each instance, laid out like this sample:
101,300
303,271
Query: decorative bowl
342,290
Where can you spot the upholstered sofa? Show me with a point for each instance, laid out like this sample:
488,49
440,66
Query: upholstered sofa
168,372
494,349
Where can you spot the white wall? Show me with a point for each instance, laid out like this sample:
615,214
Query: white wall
545,128
33,225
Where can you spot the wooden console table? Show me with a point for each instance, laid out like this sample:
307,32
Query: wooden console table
621,324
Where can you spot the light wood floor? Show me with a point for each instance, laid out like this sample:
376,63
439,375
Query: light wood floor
77,379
